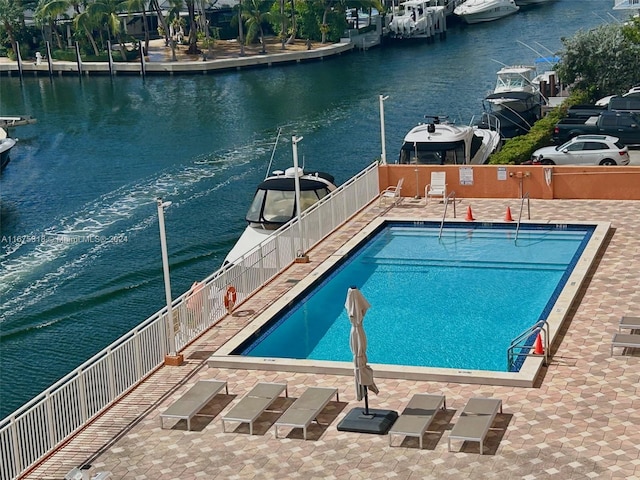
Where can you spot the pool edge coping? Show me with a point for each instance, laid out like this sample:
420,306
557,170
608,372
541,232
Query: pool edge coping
526,377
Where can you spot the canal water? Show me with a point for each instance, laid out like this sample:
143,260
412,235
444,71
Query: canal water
80,249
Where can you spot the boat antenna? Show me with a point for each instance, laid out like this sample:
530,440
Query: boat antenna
546,49
498,61
535,51
273,152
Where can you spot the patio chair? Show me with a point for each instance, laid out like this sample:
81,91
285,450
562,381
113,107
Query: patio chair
254,403
392,193
417,416
306,408
622,340
475,420
192,401
437,187
629,323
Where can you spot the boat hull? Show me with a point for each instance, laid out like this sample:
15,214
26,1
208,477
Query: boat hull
485,11
5,148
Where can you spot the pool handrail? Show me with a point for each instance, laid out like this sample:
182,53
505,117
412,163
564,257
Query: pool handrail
451,194
525,350
528,199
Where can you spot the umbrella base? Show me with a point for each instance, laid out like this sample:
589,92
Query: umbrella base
378,421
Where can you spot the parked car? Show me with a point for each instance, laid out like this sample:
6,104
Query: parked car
584,150
624,125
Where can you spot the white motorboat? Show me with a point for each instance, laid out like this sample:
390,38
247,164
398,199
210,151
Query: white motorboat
6,144
274,204
476,11
417,18
440,142
515,100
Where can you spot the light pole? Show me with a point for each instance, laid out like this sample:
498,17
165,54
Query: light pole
301,257
172,358
383,157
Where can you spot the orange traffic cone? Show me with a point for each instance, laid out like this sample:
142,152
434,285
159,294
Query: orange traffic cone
469,217
538,350
507,216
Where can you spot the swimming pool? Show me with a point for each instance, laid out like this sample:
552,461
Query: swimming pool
454,301
449,313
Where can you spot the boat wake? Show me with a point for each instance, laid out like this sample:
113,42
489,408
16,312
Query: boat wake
34,266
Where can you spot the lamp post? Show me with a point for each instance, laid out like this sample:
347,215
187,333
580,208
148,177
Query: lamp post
301,257
383,157
172,358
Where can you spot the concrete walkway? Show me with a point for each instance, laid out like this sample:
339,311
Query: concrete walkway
159,60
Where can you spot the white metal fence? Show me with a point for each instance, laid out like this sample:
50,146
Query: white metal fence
38,427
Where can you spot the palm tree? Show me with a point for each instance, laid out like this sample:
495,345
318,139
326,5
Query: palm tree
49,12
238,18
11,15
256,13
165,26
135,6
83,22
105,12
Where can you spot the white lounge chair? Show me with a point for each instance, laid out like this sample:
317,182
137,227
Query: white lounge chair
622,340
437,187
193,400
417,416
392,193
475,420
254,403
306,408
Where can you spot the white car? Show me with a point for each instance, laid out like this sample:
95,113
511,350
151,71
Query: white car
584,150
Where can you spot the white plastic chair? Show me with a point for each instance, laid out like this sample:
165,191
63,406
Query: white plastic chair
392,193
437,187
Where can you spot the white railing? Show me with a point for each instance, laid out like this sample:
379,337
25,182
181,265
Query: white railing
39,426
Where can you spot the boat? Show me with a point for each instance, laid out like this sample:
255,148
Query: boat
6,144
274,204
477,11
441,142
515,100
16,121
417,19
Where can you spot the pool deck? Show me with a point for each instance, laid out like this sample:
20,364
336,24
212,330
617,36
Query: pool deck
580,421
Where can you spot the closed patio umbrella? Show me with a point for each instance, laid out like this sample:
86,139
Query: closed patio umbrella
358,419
357,306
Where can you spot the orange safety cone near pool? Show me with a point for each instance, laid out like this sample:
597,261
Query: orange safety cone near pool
507,216
469,217
538,350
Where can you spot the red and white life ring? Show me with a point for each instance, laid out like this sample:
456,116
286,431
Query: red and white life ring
230,298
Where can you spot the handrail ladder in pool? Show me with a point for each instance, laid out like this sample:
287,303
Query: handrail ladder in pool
524,197
526,350
444,215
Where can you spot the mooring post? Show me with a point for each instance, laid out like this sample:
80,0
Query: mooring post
143,65
110,58
78,59
49,60
19,58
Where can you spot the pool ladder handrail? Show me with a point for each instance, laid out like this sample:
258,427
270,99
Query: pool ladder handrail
451,194
528,199
541,326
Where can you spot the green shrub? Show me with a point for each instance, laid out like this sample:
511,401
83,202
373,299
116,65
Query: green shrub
519,149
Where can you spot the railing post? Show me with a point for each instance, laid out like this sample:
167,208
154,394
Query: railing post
50,422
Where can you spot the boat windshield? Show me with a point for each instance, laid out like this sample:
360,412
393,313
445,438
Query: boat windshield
278,206
432,154
511,81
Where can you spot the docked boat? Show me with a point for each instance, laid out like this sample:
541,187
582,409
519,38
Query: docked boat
6,144
274,204
440,142
515,100
477,11
416,19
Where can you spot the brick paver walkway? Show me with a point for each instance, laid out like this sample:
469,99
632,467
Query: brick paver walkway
582,420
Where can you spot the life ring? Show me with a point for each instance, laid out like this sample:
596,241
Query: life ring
230,297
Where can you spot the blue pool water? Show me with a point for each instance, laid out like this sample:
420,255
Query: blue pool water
454,302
